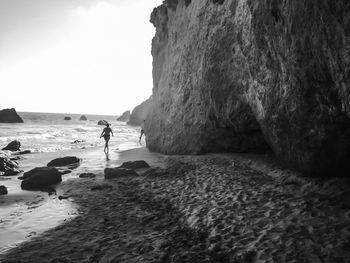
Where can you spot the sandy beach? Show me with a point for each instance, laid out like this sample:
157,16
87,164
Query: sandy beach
210,208
24,214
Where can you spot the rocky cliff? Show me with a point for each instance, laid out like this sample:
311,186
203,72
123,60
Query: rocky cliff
125,116
246,75
140,112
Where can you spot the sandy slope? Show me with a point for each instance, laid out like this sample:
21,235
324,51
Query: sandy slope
212,208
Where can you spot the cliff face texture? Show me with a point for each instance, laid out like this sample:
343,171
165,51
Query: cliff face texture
246,75
140,112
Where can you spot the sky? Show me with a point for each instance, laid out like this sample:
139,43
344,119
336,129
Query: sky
75,56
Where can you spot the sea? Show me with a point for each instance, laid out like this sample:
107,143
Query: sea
49,132
25,214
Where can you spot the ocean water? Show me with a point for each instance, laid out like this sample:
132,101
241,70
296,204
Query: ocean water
49,132
24,214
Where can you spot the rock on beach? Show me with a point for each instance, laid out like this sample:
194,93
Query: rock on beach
8,167
13,146
65,161
40,177
3,190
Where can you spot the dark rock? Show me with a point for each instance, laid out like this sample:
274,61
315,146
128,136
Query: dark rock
134,165
61,197
3,190
13,146
111,173
21,152
267,76
140,113
65,161
42,170
87,175
67,118
83,118
8,167
10,116
102,122
125,116
40,177
77,141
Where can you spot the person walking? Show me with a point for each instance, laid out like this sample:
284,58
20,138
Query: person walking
106,134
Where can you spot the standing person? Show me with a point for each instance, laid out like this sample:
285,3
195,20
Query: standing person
142,130
106,134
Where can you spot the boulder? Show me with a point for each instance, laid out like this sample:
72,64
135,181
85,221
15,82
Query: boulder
111,173
8,167
37,170
87,175
125,116
67,118
10,116
102,122
13,146
266,77
40,177
83,118
140,113
65,161
134,165
3,190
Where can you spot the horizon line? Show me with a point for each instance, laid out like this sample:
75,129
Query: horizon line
114,115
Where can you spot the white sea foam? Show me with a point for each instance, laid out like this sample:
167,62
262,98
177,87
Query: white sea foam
46,135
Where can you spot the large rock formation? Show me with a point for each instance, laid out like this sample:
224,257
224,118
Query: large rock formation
140,112
125,116
9,116
231,75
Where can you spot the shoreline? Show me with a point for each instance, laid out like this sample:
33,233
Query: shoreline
209,208
25,214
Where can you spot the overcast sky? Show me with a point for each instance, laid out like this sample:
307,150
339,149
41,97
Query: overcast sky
75,56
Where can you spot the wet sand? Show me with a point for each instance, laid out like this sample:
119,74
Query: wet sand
25,214
211,208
